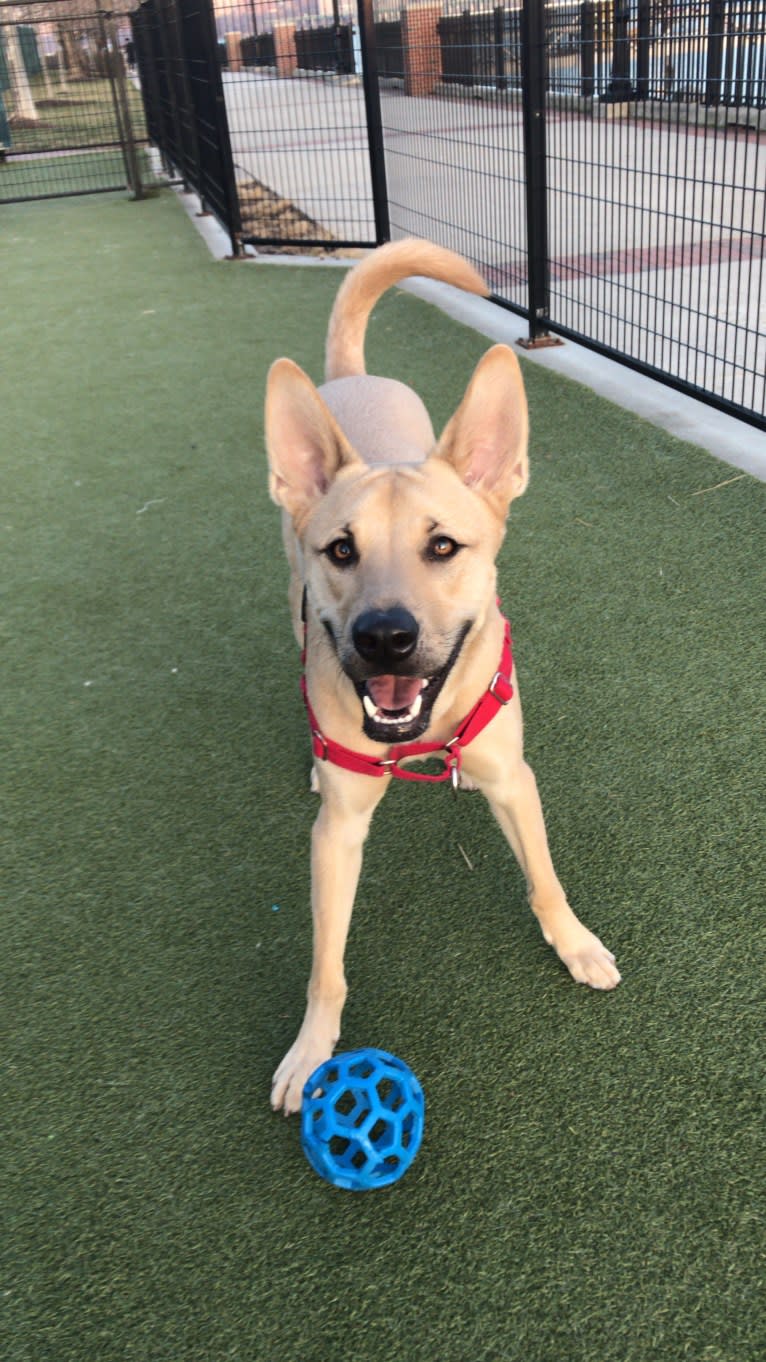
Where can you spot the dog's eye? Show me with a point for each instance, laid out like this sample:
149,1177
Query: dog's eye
342,552
441,546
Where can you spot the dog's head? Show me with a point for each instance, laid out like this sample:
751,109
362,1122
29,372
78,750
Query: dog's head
399,560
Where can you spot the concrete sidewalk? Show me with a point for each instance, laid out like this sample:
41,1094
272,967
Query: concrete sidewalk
656,230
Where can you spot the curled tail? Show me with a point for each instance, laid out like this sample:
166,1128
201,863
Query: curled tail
368,281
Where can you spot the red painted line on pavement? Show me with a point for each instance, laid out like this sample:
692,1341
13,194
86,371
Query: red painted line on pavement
607,264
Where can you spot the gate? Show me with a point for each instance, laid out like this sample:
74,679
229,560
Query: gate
71,119
279,133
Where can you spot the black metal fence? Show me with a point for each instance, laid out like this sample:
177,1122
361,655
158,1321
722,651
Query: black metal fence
71,118
390,51
709,51
603,162
606,166
325,47
178,65
301,107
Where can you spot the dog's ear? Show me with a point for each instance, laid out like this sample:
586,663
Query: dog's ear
305,444
486,439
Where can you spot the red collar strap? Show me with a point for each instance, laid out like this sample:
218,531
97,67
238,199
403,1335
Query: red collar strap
497,694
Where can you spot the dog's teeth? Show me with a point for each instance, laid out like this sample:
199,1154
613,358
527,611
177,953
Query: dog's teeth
416,705
369,705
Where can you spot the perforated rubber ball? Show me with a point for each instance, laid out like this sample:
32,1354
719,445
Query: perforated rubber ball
362,1119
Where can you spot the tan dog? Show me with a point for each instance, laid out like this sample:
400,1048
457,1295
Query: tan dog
392,539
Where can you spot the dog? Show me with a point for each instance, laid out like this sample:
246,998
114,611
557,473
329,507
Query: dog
392,537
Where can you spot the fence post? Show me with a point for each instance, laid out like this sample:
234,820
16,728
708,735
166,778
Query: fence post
5,130
116,72
374,122
620,90
714,58
533,82
643,48
465,42
498,36
587,49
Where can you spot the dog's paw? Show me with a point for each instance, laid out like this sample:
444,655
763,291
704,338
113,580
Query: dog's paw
587,959
290,1078
314,781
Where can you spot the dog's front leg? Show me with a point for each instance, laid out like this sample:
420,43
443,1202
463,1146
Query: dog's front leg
337,840
515,802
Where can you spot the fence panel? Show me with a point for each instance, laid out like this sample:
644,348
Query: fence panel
71,120
178,63
656,205
325,47
299,131
648,242
453,137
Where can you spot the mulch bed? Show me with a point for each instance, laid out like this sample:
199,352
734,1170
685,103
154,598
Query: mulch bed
267,214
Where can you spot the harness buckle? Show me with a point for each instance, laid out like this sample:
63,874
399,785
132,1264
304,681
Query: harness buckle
497,679
317,736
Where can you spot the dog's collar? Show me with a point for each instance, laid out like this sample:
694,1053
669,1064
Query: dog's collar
497,694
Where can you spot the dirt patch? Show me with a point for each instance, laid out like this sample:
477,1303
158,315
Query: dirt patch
20,123
59,102
266,214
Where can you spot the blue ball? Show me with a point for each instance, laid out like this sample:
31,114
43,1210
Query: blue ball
362,1119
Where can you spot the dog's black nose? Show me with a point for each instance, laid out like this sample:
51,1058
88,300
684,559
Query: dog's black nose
385,637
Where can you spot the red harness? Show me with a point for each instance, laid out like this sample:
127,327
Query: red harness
497,694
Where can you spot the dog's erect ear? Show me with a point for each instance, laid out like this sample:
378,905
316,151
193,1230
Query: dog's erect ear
486,439
305,444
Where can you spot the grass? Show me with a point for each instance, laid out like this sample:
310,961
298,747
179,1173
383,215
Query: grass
78,114
589,1184
80,172
69,151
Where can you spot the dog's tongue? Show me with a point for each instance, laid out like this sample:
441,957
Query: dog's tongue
394,692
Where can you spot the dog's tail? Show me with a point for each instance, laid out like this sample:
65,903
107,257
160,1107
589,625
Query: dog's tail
368,281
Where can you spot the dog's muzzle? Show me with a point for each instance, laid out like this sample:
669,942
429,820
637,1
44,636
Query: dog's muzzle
385,640
395,684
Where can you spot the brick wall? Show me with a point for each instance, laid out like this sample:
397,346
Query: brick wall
234,51
422,53
285,54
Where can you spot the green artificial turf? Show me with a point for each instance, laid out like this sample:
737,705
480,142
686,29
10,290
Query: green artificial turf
589,1186
85,172
78,114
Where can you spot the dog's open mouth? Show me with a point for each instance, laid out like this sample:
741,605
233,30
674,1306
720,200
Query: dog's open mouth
398,708
393,699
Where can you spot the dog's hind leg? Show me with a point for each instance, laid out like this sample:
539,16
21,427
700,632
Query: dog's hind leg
516,805
337,841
